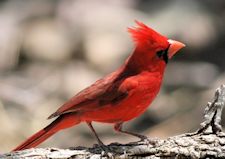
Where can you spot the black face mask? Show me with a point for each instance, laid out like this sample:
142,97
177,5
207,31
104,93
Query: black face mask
163,54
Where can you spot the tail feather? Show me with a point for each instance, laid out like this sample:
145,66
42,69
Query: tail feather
34,140
60,123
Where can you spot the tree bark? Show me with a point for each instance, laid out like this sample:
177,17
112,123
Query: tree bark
207,142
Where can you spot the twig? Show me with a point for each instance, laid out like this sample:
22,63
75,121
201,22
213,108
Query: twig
213,112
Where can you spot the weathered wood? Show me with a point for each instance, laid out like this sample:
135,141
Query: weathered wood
207,142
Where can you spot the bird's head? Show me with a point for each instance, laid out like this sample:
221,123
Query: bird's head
153,46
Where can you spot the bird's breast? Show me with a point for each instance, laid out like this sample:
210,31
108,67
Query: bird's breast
138,102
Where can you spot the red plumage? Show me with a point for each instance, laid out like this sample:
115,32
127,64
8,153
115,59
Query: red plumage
120,96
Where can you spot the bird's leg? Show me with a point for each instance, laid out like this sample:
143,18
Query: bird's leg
100,143
118,128
96,135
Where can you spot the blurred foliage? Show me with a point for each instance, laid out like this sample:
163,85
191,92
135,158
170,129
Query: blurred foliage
50,50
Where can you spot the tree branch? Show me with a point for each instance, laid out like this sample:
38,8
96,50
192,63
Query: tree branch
208,141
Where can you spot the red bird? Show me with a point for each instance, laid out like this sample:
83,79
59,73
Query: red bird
120,96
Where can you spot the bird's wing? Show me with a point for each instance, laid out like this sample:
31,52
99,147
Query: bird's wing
102,92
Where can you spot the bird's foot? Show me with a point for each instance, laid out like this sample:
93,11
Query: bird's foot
104,150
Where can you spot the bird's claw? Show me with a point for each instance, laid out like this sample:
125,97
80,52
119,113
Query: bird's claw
104,150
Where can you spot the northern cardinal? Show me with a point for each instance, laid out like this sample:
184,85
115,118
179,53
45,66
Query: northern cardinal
120,96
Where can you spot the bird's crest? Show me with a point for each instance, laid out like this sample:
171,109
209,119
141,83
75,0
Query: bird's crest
145,36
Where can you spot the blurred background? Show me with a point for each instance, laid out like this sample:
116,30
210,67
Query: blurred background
51,49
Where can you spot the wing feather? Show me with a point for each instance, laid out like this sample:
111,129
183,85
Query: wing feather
102,92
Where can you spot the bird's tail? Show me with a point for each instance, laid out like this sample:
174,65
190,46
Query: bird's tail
62,122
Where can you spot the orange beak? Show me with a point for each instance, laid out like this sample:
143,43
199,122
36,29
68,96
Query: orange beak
174,47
